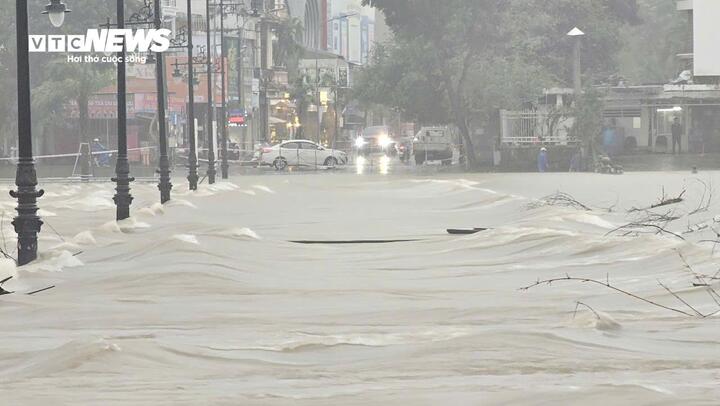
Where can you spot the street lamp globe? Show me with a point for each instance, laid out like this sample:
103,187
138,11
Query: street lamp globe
56,11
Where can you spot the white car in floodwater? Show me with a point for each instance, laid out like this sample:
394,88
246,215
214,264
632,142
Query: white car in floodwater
300,153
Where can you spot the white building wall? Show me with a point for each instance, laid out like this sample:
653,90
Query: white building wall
706,37
349,29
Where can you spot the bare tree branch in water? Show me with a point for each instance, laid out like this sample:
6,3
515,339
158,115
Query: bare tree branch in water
611,209
577,306
706,199
606,284
559,199
664,201
701,280
654,223
715,242
681,299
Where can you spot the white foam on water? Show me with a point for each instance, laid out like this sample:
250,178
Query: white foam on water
84,238
596,319
244,233
7,268
223,187
181,203
263,188
67,357
462,183
53,261
158,208
111,227
154,210
299,340
187,238
204,192
93,201
146,211
132,224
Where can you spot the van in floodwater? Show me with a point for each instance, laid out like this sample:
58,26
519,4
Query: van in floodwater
433,144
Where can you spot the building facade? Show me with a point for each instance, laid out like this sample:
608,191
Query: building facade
703,48
311,14
350,30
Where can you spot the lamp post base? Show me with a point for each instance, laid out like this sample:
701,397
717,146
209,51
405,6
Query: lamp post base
211,174
193,178
165,186
27,223
123,199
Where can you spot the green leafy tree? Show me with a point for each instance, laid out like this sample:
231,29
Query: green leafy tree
472,57
391,81
588,122
50,88
645,58
288,48
302,92
77,85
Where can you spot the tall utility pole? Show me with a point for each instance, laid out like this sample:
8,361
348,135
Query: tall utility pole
241,69
123,199
224,166
241,78
577,35
192,154
209,128
165,186
318,101
264,55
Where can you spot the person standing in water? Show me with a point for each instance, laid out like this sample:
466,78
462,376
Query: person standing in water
542,160
677,133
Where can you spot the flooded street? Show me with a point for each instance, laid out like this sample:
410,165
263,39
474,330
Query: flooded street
207,301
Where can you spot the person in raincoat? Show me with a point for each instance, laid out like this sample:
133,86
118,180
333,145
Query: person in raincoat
542,160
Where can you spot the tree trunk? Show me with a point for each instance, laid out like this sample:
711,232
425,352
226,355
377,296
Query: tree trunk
459,113
470,158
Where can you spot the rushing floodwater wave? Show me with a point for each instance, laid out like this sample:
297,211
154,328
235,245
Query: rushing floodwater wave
206,300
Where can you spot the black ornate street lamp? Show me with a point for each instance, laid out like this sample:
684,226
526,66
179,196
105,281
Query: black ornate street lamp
226,8
183,39
192,154
123,199
27,223
149,15
180,75
165,186
199,60
211,171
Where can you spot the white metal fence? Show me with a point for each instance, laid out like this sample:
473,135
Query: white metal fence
536,127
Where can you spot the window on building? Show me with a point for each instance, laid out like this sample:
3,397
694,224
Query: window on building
198,22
